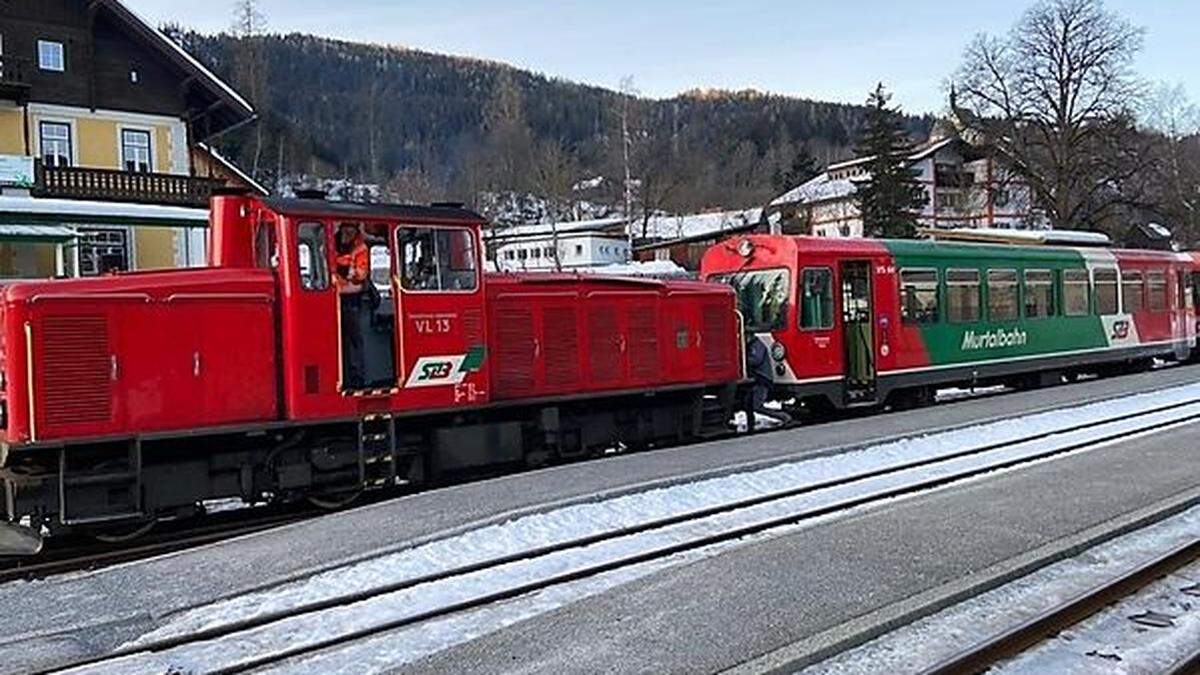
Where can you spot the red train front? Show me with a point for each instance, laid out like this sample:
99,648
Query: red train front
276,373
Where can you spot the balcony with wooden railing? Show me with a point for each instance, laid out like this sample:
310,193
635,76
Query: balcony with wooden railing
107,185
15,84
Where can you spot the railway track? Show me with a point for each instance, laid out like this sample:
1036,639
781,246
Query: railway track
1018,639
267,637
78,557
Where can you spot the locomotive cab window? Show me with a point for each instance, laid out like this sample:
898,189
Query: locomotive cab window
816,308
1039,294
1106,292
1157,280
1002,295
763,297
1133,290
919,296
311,255
1076,290
962,296
437,259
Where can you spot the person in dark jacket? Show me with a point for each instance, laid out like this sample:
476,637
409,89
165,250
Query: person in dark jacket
761,372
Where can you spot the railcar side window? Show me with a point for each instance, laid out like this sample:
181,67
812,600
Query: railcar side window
1002,295
311,253
1075,293
1133,290
1039,294
919,296
1106,292
1189,293
962,296
1158,290
436,259
816,301
763,297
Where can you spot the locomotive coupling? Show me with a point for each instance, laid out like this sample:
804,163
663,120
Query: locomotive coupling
18,540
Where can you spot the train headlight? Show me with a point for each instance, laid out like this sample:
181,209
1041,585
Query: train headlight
746,248
778,351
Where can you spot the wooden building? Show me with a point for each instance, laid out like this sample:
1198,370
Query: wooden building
100,116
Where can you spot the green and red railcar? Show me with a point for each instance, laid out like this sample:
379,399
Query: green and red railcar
864,322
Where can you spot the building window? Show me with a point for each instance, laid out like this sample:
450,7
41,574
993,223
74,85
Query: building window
1075,293
103,250
962,296
578,249
1039,294
135,150
56,143
816,308
51,56
1106,292
919,296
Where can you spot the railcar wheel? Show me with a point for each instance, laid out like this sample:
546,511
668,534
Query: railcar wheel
116,534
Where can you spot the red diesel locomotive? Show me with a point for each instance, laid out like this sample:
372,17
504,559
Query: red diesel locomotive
134,397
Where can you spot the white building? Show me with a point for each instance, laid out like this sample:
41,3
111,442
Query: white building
966,188
559,246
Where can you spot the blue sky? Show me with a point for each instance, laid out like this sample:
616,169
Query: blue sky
819,49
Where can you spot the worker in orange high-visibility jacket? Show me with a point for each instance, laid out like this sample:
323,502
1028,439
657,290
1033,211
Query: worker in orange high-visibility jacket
353,271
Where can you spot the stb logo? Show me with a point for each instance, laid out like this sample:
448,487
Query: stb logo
1120,330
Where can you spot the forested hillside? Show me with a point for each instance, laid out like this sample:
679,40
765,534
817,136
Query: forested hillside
429,126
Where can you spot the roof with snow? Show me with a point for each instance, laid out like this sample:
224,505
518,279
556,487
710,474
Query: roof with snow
698,225
601,225
225,107
233,168
819,189
23,210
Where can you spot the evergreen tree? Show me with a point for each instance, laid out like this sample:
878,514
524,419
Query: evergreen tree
891,197
802,168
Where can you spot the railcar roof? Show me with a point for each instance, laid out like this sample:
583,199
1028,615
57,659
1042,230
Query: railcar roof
321,208
835,245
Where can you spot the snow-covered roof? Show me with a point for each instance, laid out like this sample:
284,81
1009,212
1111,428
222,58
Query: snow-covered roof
546,229
49,233
26,210
671,227
918,153
819,189
233,168
649,268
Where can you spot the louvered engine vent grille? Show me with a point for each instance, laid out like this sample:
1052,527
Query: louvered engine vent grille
562,346
76,370
718,339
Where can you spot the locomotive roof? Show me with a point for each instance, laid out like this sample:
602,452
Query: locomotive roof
323,208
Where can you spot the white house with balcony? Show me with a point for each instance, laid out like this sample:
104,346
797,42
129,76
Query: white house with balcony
553,247
966,188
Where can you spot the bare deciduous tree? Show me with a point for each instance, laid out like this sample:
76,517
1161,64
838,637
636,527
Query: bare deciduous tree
554,174
249,25
1172,115
1056,98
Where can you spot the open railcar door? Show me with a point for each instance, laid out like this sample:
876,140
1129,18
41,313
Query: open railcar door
858,325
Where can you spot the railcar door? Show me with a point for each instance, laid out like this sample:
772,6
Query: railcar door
859,333
440,329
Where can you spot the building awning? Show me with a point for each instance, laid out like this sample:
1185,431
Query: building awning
41,234
19,210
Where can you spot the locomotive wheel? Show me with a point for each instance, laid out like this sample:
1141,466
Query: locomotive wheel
117,534
335,501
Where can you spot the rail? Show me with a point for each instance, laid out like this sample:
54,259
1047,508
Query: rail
1159,418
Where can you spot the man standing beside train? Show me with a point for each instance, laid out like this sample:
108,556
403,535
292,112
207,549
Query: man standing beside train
759,368
353,269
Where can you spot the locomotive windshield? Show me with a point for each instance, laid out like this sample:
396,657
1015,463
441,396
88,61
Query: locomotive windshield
437,259
763,297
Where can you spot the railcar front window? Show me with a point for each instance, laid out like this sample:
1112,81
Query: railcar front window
312,256
763,297
1106,292
1075,293
962,296
816,308
437,259
1039,294
919,296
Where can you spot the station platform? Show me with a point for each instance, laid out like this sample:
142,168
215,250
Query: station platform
788,590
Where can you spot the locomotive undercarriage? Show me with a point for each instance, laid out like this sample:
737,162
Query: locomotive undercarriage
123,483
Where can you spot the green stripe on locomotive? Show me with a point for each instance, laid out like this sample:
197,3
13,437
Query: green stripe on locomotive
986,340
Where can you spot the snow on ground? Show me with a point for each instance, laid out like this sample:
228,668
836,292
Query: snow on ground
571,522
1106,643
